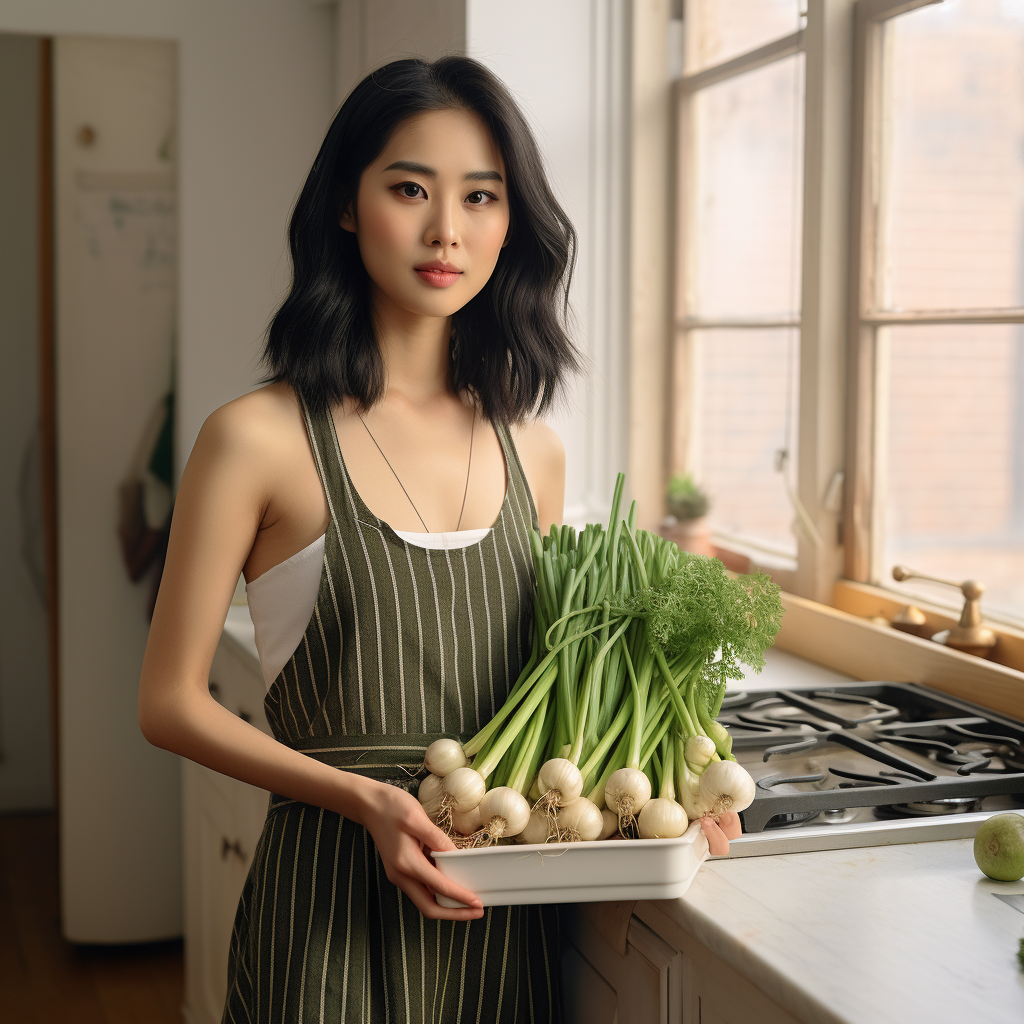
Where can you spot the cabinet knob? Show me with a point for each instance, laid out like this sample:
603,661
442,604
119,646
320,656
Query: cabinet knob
227,847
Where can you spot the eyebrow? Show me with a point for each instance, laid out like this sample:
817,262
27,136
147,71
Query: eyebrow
415,168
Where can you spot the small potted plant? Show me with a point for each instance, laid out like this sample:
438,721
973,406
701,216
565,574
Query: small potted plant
686,522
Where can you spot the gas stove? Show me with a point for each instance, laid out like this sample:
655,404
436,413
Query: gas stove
869,764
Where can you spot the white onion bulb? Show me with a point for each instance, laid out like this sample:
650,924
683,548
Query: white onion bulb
443,756
662,819
688,792
537,830
430,795
561,779
626,792
504,812
610,824
580,821
467,822
465,788
699,751
725,786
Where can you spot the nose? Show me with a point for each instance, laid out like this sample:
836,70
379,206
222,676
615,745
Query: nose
442,228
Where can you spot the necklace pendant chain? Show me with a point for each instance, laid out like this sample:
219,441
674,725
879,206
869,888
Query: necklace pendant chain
469,467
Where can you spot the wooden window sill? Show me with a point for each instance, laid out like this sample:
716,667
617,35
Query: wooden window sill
866,601
866,650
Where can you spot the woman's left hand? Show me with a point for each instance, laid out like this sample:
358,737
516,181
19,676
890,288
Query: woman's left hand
719,833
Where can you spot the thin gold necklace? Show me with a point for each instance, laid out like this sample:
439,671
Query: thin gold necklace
472,429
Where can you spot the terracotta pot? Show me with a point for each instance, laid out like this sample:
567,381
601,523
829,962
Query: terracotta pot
692,535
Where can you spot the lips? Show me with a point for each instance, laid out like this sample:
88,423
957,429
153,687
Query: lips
438,274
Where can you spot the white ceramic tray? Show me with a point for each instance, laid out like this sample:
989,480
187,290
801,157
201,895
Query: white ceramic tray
656,869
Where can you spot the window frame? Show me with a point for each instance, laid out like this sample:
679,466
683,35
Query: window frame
866,494
840,470
686,403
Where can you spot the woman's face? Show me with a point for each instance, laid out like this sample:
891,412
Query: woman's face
431,212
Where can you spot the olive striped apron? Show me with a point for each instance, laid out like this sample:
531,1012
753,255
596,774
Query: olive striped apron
405,644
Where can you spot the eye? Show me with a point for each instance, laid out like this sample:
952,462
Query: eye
481,198
409,190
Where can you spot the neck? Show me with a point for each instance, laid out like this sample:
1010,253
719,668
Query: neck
414,349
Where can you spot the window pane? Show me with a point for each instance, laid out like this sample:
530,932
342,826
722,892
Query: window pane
955,504
745,382
718,30
952,229
748,165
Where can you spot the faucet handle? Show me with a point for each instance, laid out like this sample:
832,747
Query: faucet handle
969,635
971,589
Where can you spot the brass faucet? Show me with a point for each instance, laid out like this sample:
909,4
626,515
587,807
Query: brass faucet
969,635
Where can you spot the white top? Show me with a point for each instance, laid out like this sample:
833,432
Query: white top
281,601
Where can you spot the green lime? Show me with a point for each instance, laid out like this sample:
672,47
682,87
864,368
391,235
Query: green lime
999,847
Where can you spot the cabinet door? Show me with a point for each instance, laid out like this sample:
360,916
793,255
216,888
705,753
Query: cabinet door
222,854
223,820
643,985
586,995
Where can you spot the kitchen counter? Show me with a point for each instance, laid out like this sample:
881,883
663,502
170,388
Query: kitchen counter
883,934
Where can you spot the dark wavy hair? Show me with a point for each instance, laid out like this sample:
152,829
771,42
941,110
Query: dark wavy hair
509,344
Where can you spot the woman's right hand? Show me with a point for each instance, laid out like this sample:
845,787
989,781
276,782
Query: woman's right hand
403,834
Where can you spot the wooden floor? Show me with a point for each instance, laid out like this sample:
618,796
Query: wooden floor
46,980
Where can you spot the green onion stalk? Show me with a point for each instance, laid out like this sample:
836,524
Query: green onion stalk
633,645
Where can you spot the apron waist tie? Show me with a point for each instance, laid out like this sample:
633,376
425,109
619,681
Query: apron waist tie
396,759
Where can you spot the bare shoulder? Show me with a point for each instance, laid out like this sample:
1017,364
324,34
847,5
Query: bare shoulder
262,421
543,457
257,443
540,445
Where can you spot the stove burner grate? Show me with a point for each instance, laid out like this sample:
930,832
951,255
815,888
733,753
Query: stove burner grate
909,752
789,819
929,808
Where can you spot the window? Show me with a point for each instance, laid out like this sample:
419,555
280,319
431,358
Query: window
850,292
941,325
739,287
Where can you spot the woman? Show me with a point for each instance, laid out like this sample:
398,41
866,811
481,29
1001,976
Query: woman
377,494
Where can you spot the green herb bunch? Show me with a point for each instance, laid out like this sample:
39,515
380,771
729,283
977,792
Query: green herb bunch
685,499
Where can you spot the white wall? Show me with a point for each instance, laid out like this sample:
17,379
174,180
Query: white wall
372,32
25,749
256,97
566,63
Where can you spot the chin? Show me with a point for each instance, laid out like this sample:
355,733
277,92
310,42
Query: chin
437,305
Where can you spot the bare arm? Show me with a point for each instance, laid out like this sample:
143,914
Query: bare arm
224,494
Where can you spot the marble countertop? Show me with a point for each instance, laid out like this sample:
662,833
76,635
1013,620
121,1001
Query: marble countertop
879,935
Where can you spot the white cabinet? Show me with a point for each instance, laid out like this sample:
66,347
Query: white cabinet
223,819
638,982
630,964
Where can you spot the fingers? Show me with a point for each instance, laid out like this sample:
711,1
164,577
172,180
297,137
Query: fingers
444,886
729,823
429,834
410,862
430,908
718,844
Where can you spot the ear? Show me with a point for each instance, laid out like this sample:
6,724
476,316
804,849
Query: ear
348,218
